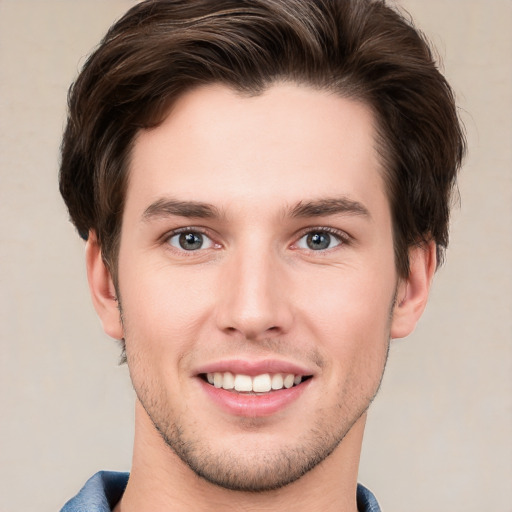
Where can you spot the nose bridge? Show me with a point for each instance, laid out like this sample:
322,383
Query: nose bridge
252,292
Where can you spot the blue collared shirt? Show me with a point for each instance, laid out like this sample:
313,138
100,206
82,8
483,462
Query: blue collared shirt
103,491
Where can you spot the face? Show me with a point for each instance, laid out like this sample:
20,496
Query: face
257,279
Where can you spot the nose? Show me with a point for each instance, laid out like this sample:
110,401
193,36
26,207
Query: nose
254,296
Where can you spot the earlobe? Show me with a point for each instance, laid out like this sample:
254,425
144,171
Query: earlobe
102,289
413,291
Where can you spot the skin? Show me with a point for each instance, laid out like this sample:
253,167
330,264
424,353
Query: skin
255,291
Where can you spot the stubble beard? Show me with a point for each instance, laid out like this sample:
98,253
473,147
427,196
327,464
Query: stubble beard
253,469
258,471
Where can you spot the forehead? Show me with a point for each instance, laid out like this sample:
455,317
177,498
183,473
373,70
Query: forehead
288,144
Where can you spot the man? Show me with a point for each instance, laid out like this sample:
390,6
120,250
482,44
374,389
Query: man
264,188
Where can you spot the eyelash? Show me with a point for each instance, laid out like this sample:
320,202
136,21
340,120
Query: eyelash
342,237
166,239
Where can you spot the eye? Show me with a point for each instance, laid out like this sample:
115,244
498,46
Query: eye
319,240
190,241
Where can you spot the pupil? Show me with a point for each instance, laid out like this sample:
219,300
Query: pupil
191,241
318,241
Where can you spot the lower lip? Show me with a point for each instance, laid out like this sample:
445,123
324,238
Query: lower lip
266,404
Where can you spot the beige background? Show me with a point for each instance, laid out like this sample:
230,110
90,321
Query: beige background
439,434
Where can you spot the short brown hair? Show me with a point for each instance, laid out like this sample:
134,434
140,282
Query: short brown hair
361,49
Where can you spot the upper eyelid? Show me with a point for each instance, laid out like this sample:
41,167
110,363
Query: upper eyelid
187,229
345,240
168,235
343,235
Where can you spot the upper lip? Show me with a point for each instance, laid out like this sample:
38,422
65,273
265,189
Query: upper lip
253,368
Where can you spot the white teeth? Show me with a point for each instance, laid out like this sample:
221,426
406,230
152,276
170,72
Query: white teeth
262,383
217,379
243,383
288,380
258,384
277,381
229,381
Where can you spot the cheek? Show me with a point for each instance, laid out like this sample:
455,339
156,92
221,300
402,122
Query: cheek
351,315
163,307
354,331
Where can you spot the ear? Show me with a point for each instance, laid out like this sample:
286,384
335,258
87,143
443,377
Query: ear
412,292
102,289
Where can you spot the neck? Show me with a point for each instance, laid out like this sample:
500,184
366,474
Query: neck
159,480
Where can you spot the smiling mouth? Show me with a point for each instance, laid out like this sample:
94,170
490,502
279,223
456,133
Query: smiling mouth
263,383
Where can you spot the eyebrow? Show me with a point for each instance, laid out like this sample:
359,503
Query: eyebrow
329,206
165,207
193,209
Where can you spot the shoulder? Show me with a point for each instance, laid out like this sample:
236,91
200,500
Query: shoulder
366,501
99,494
